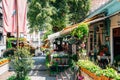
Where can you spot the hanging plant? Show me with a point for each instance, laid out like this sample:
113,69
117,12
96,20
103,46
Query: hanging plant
81,31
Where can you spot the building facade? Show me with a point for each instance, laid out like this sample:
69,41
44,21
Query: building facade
105,30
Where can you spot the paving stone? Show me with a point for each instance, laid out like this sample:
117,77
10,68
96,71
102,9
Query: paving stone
6,75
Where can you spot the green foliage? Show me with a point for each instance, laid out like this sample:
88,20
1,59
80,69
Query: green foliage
117,77
75,57
88,65
3,59
47,59
14,78
81,31
9,41
109,72
22,63
45,36
60,55
56,13
99,72
9,52
9,45
78,10
62,16
39,14
13,39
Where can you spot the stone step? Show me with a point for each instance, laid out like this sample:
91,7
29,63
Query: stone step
70,71
66,75
39,67
58,77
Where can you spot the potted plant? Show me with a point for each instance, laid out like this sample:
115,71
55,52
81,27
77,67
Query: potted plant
81,31
22,63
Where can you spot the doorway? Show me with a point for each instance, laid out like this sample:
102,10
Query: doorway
116,44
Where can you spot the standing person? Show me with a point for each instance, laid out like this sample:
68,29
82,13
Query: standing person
90,55
79,75
43,53
37,50
95,53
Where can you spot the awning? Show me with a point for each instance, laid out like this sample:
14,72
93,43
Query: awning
62,32
97,20
54,35
67,30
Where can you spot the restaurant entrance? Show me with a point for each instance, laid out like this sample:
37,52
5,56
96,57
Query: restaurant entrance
116,44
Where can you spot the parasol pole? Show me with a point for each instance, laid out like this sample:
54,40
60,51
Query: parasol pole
17,23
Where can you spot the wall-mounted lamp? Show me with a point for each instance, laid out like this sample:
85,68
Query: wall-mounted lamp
107,38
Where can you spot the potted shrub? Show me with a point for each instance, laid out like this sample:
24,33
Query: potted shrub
22,63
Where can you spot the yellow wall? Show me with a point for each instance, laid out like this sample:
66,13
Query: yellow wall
114,21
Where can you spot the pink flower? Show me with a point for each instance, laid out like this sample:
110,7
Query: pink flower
82,45
80,78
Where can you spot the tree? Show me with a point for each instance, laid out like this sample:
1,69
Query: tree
78,10
61,18
56,14
39,14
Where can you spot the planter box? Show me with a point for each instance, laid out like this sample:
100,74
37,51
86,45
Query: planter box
92,75
4,67
105,78
97,78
